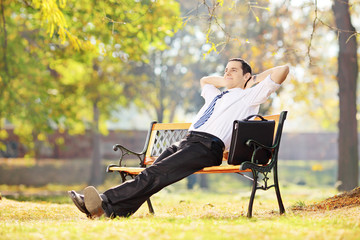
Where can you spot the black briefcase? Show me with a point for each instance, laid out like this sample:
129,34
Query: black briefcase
261,131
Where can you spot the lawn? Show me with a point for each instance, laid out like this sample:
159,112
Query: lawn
186,214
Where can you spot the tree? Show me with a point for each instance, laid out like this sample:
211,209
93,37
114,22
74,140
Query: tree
69,76
171,77
347,69
347,76
129,36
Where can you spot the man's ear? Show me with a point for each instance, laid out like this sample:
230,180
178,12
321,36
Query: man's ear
247,76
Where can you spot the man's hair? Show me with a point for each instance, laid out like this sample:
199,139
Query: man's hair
244,65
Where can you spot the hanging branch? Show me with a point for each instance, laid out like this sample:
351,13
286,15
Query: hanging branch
313,32
212,19
151,5
316,20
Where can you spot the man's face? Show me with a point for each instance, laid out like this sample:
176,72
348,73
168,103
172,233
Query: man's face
234,77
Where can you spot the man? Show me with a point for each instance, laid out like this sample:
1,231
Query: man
208,137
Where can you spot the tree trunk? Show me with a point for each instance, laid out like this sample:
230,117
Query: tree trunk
4,30
96,174
348,167
160,113
4,72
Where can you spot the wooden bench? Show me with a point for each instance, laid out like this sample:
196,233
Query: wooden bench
162,135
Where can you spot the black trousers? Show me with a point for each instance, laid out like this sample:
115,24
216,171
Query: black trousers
196,151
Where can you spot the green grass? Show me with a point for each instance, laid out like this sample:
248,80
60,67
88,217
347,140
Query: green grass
182,214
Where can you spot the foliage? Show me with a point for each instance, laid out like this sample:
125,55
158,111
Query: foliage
170,80
62,58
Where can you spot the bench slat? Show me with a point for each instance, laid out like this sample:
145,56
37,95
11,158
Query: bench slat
172,126
151,160
223,169
130,170
215,169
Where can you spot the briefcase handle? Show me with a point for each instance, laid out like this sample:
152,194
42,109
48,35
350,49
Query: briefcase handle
255,115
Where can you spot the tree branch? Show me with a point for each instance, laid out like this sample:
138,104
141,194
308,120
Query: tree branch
312,33
338,30
28,4
151,5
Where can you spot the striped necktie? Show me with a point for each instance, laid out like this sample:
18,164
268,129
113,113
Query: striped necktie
206,115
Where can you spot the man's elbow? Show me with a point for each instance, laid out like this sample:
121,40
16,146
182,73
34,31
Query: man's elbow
202,81
205,80
282,73
286,69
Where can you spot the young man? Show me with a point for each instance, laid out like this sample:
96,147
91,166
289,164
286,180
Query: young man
203,146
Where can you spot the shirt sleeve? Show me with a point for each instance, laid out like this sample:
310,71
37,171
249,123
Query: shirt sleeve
209,92
261,92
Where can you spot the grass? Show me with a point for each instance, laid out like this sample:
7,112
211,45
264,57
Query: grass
219,213
182,214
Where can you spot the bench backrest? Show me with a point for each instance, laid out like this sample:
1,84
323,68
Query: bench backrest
162,135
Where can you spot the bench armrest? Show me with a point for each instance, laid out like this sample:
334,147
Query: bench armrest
125,151
256,145
122,148
251,164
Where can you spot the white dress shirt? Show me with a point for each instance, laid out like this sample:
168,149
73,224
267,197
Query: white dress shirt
235,105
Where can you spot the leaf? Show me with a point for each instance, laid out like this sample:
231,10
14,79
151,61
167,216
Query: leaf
62,3
41,137
60,141
3,134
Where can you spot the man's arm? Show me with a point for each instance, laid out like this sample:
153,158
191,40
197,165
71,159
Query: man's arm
277,74
217,81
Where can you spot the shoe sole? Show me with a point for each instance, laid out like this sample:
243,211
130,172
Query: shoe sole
93,202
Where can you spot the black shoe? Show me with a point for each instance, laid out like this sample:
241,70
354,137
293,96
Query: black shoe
97,204
78,200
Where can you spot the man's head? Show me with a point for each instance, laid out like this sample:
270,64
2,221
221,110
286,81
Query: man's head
237,72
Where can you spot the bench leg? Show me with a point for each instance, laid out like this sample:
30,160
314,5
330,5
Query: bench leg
252,197
277,190
151,209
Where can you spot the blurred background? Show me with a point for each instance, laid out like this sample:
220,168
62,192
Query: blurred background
77,77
